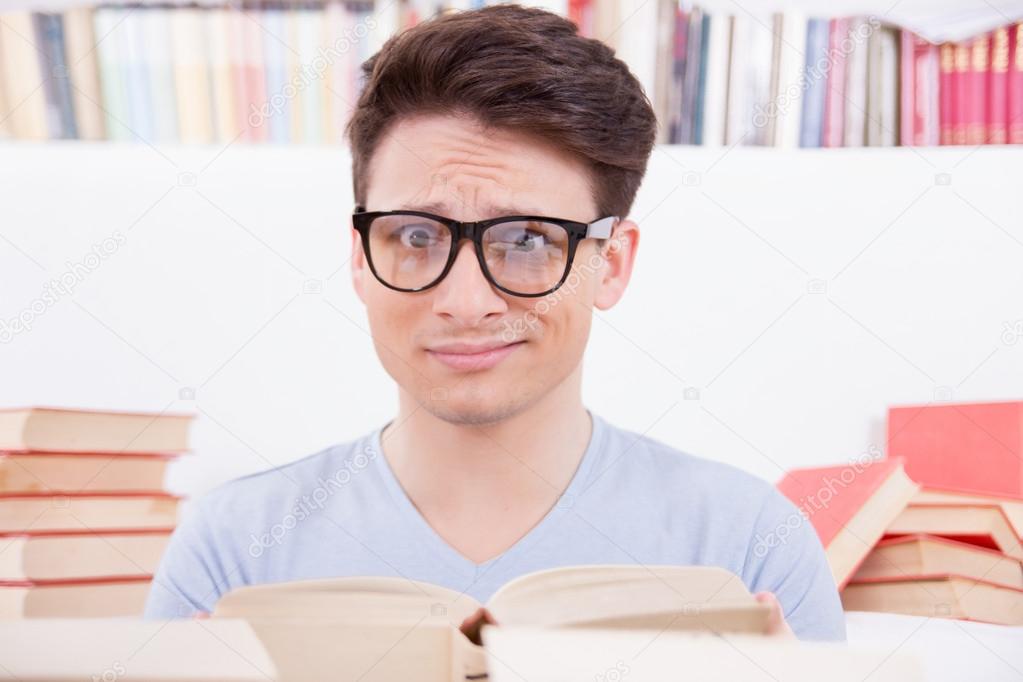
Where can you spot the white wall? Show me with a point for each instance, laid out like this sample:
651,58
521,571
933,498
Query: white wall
921,281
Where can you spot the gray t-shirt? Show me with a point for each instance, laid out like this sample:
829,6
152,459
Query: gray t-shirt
632,500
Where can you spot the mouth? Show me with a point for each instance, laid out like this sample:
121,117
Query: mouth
468,357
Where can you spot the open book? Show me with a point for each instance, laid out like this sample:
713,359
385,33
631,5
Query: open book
393,628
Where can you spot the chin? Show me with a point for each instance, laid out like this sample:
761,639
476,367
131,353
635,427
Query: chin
472,409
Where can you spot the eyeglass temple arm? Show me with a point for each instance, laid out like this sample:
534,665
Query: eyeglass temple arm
601,229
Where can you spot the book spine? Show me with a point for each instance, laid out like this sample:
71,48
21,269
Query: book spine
156,21
253,70
136,74
678,71
80,52
889,128
960,92
834,100
191,76
1015,85
690,77
910,125
925,97
20,66
277,112
816,75
60,115
946,91
701,81
998,85
977,91
715,97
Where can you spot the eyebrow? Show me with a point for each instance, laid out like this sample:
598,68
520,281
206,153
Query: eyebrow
441,209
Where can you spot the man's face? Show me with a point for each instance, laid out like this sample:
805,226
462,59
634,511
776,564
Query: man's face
426,340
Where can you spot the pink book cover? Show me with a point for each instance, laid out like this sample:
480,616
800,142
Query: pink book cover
946,76
254,75
960,92
976,90
834,99
1015,85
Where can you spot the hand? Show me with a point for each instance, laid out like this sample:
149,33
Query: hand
776,625
472,625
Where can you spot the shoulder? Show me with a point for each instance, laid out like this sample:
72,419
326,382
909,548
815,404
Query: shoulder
297,489
639,458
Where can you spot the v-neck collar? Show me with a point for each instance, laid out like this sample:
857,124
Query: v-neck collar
454,559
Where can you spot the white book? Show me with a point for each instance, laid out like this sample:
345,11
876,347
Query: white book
634,44
889,87
788,97
738,126
132,650
156,34
557,654
855,123
715,93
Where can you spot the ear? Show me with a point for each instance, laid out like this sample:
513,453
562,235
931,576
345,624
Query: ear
358,263
619,254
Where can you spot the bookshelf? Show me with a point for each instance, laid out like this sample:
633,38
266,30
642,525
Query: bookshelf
285,72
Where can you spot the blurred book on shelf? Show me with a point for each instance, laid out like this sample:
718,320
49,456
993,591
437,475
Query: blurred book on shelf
275,71
84,517
952,546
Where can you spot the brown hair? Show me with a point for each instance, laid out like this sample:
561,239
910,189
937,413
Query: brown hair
517,68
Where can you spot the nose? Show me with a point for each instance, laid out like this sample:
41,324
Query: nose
465,296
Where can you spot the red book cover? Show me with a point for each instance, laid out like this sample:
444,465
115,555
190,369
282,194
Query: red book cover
581,14
960,91
946,77
1015,78
907,89
834,96
976,91
830,496
972,446
998,88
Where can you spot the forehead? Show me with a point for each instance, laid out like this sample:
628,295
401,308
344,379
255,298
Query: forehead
452,166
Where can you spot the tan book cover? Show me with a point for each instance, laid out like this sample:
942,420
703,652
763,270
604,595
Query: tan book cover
83,67
426,616
72,430
22,77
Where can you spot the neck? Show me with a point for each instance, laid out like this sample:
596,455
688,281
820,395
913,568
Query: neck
533,452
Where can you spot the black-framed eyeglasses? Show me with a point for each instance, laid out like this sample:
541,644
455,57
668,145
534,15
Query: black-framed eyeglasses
521,255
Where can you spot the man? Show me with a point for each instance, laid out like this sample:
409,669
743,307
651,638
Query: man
496,155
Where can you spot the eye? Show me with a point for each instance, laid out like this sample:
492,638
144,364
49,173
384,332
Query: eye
417,235
520,238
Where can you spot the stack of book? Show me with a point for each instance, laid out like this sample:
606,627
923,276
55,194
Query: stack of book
84,517
289,72
936,528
